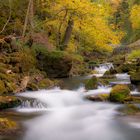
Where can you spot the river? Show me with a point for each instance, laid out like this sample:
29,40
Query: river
64,114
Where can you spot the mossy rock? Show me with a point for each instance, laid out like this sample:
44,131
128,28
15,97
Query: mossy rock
119,93
2,87
92,83
7,126
110,72
107,73
9,102
127,67
45,83
135,77
100,97
103,81
32,86
56,64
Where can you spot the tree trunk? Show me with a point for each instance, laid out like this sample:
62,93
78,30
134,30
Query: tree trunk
68,33
31,15
26,18
59,30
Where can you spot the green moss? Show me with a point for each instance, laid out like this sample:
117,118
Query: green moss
2,87
100,97
135,77
104,97
9,102
104,81
92,83
11,87
119,93
134,54
45,83
27,60
107,73
32,86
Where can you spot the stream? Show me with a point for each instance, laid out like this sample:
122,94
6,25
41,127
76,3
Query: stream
65,114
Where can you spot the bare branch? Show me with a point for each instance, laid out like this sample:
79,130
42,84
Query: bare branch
10,13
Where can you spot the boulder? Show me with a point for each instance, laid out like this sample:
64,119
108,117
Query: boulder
9,102
56,64
45,83
119,93
135,78
92,83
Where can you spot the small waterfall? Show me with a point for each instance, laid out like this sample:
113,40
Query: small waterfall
122,78
67,115
32,103
70,116
57,98
135,92
100,90
102,68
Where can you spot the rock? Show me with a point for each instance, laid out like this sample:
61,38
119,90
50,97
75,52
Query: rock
108,75
23,84
135,78
119,93
127,67
104,81
100,97
56,64
92,83
9,102
32,86
45,83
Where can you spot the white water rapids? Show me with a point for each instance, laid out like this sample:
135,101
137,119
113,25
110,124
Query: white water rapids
66,115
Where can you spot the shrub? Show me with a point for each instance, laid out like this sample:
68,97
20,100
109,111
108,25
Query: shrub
134,54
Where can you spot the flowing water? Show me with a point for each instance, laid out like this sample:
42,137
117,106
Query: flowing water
64,114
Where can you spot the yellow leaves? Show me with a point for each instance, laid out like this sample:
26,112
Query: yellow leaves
135,16
90,24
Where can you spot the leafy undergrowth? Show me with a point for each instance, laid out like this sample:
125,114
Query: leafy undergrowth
8,126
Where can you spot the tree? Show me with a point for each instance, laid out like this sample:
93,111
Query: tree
72,18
